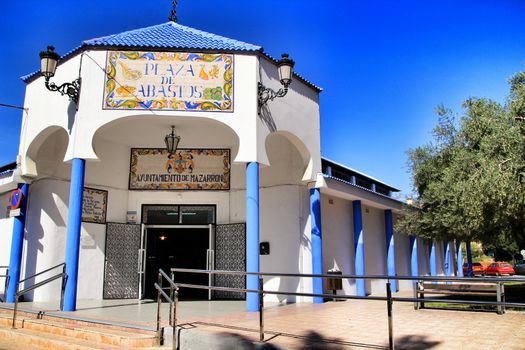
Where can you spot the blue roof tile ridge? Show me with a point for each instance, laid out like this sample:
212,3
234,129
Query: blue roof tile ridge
214,36
171,34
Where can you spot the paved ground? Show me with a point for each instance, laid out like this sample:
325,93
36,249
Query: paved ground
363,325
355,324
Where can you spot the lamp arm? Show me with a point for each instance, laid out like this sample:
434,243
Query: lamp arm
70,89
265,94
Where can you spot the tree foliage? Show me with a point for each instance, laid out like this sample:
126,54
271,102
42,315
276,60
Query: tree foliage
470,180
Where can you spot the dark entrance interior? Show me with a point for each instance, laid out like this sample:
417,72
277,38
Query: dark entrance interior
180,248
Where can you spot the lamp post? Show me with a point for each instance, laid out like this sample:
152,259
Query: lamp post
48,65
285,67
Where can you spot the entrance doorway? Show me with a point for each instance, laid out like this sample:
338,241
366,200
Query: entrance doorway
180,247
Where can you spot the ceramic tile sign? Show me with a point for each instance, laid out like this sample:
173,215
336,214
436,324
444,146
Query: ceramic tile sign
169,81
94,205
186,169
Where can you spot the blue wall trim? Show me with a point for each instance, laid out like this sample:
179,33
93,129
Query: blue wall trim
252,233
359,248
390,248
459,258
414,261
317,242
74,222
433,269
17,243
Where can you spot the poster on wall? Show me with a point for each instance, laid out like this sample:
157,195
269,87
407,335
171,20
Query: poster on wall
94,205
186,169
169,81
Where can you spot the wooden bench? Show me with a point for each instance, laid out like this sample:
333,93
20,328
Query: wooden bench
460,288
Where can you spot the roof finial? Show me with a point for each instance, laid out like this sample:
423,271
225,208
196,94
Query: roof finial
173,13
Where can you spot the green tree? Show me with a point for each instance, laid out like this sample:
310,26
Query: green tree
469,181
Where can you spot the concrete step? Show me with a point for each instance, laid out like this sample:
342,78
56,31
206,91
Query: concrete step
83,331
27,338
64,317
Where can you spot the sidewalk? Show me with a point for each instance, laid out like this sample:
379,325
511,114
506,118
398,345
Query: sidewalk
363,325
355,324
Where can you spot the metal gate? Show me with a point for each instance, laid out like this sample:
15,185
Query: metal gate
230,254
121,280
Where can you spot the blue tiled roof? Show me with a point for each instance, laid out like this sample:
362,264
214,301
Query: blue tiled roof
360,173
362,188
169,35
172,35
7,168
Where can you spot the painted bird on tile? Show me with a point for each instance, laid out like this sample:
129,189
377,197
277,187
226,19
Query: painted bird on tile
130,74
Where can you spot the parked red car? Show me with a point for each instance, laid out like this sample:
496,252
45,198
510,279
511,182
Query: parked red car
477,268
500,268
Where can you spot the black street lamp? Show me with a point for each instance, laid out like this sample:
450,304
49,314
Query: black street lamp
285,67
48,65
172,141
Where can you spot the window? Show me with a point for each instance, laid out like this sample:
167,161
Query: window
178,214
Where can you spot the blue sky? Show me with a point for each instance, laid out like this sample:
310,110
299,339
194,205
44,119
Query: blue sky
383,65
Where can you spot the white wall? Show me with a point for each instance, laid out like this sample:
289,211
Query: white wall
440,258
375,247
402,244
280,226
338,238
45,240
6,233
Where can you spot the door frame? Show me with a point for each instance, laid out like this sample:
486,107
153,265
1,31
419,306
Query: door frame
210,253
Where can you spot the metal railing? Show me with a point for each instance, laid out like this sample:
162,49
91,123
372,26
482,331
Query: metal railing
173,299
18,293
261,292
6,281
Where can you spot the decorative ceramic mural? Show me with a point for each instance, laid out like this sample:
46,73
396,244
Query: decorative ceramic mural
169,81
186,169
94,205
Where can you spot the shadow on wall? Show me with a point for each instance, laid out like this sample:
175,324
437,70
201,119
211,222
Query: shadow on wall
71,112
39,191
266,117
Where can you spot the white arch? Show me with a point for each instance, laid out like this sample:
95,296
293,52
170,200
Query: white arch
29,159
299,145
149,131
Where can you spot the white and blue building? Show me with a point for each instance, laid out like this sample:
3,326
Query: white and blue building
247,189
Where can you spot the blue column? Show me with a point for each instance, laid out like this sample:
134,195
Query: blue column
448,258
470,271
433,269
414,261
252,233
390,248
74,221
459,259
359,248
17,242
317,242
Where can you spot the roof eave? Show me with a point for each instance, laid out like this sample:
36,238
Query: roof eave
363,188
377,181
85,47
299,77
